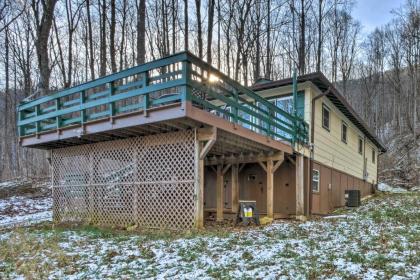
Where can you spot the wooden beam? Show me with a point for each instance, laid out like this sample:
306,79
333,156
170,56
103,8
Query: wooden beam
300,200
278,164
263,166
291,160
270,188
244,159
214,169
219,193
241,167
199,214
235,188
226,169
207,148
207,133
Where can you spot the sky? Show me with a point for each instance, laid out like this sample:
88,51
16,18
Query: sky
374,13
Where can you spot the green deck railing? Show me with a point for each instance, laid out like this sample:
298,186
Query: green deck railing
175,79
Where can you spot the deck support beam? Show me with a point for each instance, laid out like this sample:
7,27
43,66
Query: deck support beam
270,188
235,188
270,168
219,193
199,214
300,198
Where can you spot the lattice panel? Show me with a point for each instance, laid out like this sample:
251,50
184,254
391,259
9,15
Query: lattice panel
148,181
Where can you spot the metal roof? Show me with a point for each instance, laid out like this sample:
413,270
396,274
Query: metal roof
320,81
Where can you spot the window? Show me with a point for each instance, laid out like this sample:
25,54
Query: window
315,180
284,103
360,145
325,117
344,132
373,155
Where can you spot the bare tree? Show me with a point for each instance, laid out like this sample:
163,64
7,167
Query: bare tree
43,12
210,29
141,32
199,28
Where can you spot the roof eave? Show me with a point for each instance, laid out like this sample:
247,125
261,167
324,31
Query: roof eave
320,81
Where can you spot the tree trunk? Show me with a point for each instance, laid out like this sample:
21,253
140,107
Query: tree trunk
186,25
43,20
301,52
199,28
210,30
112,26
141,32
319,48
91,55
268,48
102,16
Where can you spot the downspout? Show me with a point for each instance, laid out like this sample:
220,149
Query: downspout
312,146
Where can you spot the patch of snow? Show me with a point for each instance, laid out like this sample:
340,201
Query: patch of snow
28,219
23,210
415,189
336,217
387,188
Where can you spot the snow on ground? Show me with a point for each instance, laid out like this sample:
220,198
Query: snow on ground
387,188
379,240
24,210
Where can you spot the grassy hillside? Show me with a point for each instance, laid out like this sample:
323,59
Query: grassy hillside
379,240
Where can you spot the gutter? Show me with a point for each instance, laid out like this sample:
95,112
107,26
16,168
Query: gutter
311,159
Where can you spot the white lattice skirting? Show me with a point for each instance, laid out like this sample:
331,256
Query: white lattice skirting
146,181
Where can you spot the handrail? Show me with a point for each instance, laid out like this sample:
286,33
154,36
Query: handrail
145,86
107,79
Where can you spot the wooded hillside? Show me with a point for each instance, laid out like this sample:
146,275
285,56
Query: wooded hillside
49,44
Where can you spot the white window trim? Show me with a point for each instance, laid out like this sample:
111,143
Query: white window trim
373,155
324,106
358,142
318,181
343,123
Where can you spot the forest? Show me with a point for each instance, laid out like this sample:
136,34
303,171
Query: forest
47,45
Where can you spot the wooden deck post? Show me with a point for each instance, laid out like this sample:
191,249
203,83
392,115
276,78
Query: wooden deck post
270,188
199,214
219,193
235,188
300,200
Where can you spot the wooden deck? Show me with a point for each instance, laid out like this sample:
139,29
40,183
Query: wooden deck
175,93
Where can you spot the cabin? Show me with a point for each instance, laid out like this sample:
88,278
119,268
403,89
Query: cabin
174,142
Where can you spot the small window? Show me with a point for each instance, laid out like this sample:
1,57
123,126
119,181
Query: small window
344,132
373,155
325,117
360,145
315,180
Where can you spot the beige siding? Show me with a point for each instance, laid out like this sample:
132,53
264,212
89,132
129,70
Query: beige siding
331,151
372,168
328,147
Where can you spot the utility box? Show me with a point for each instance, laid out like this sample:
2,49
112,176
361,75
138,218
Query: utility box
352,198
248,212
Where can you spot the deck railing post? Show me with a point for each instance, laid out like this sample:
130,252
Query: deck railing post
111,104
235,109
146,98
186,77
270,127
38,123
21,127
82,112
57,108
